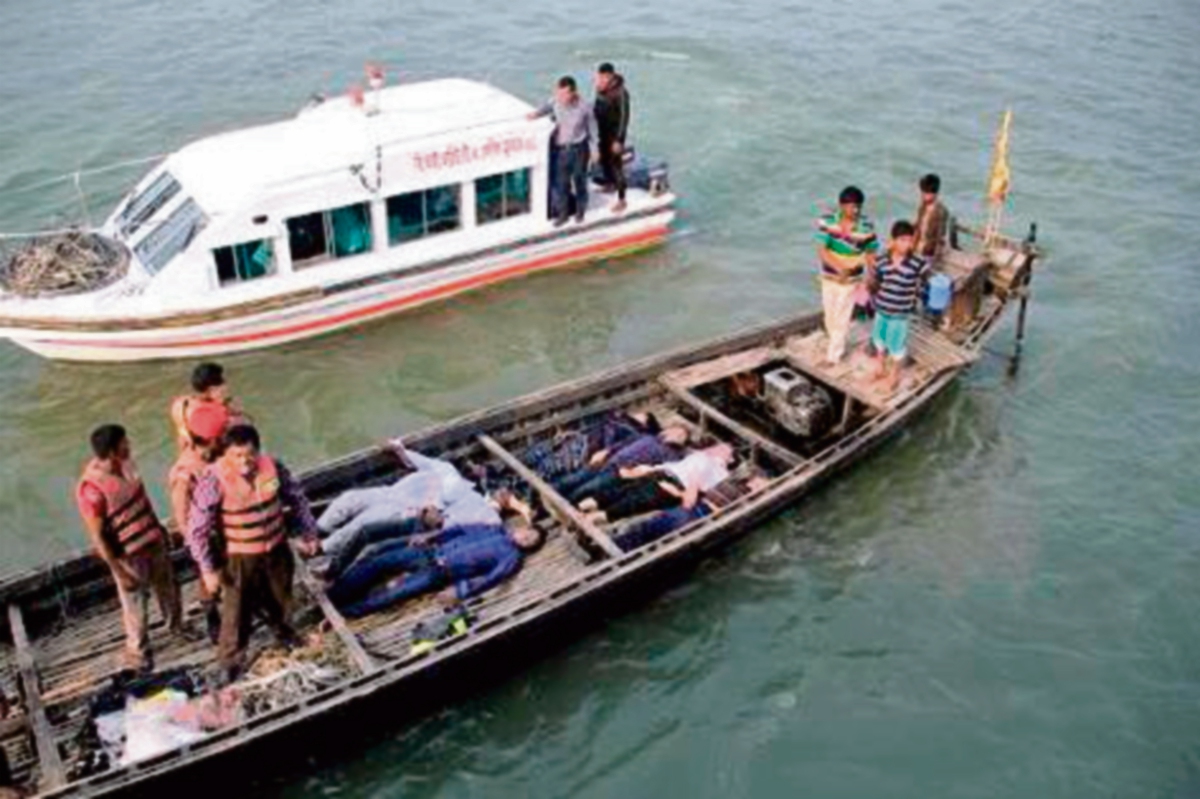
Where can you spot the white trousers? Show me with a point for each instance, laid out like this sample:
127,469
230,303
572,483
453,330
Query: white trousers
838,301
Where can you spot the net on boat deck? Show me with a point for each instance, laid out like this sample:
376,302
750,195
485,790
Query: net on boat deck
63,263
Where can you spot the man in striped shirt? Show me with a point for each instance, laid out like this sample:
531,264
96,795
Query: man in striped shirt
846,247
899,275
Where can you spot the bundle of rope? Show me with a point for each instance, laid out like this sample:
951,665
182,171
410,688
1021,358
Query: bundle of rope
65,262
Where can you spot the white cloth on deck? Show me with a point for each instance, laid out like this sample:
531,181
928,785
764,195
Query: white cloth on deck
700,469
434,483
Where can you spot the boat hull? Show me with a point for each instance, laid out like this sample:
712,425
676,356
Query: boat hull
357,713
340,307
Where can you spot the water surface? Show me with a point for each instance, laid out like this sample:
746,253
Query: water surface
1004,603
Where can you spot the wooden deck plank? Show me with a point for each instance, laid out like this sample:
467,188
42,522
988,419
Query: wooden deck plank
337,621
931,351
736,363
781,453
49,761
567,512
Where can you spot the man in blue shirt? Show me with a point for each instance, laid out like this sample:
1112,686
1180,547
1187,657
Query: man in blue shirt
576,147
470,559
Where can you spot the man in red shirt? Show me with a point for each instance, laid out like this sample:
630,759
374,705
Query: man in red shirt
125,531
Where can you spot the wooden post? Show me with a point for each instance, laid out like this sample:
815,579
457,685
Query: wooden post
847,408
337,621
49,760
780,453
1021,309
557,503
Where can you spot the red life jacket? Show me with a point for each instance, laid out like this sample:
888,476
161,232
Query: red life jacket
251,510
130,524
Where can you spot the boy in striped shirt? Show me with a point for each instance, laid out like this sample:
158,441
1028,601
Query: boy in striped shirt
899,276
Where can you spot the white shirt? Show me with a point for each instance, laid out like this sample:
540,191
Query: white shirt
700,469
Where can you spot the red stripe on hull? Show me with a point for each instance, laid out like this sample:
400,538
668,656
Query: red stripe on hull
592,252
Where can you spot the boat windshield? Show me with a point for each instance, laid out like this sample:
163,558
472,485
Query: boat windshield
145,205
171,237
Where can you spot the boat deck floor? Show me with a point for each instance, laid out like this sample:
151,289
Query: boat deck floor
14,734
930,353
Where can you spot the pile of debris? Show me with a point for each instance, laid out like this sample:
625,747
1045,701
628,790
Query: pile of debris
64,263
140,717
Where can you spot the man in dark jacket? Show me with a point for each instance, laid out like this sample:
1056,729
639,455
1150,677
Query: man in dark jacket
612,120
465,561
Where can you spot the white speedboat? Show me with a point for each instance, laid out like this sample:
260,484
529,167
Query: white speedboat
357,208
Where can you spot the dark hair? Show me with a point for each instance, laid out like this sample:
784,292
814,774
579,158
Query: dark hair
851,195
931,184
518,521
106,440
903,228
206,376
606,68
241,435
567,82
653,426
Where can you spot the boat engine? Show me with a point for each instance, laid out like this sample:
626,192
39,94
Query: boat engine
799,405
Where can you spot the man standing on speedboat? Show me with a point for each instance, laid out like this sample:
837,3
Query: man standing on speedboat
576,143
612,120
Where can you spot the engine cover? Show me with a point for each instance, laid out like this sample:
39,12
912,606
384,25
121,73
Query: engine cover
799,405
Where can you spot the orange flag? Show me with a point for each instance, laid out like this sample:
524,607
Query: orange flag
1000,179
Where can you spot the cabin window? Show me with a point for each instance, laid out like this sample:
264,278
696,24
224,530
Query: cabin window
330,234
422,213
171,237
242,262
145,205
501,196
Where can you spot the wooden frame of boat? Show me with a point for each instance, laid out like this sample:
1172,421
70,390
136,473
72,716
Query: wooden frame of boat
65,638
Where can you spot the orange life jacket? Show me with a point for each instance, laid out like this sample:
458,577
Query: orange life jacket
130,524
251,510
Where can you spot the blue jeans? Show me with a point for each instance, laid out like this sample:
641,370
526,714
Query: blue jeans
570,172
364,535
570,483
658,525
421,574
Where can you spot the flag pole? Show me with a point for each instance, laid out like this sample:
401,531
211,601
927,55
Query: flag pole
999,181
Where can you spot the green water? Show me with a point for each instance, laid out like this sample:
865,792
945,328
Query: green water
1001,604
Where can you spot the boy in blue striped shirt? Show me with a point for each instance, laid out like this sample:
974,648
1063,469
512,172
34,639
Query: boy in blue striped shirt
899,276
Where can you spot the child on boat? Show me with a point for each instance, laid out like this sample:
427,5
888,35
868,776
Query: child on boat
899,277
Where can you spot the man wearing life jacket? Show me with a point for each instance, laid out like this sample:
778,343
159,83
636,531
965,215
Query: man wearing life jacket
209,388
127,536
206,425
252,502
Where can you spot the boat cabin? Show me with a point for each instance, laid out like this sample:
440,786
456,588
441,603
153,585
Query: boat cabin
407,175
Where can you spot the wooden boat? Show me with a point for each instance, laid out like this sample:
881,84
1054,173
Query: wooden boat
64,634
355,209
